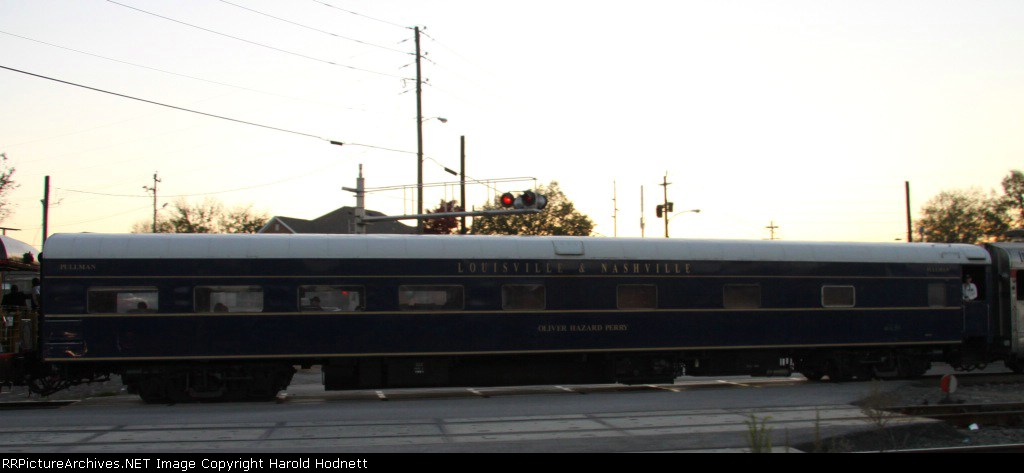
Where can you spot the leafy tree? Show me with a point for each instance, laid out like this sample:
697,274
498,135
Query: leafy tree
961,216
207,216
560,217
1013,198
443,225
7,185
971,217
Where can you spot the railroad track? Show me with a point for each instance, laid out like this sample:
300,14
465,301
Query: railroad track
963,415
24,405
1006,448
974,379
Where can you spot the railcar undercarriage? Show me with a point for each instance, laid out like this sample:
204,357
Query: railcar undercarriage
176,382
208,382
848,365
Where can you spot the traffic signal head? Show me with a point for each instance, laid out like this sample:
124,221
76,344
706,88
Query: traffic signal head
541,202
526,200
659,210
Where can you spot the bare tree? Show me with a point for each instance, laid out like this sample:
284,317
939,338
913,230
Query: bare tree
242,220
207,216
7,185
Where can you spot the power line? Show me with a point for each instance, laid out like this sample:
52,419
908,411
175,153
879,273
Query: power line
315,171
256,43
334,142
450,171
160,104
162,70
361,15
314,29
101,218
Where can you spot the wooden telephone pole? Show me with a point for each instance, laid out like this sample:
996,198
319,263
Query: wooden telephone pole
153,190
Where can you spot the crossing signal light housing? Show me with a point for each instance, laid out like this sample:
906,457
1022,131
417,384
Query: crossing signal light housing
664,209
507,199
526,200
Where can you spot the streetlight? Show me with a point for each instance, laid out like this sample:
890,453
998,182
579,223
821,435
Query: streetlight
668,219
419,144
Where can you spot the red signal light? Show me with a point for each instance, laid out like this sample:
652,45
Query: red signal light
507,199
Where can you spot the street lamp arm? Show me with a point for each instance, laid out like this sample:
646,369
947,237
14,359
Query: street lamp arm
696,211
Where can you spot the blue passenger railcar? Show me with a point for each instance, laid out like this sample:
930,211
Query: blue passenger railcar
196,316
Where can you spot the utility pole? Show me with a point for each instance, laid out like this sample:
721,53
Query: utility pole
910,229
419,136
771,229
615,208
667,208
46,206
360,213
642,223
153,190
462,181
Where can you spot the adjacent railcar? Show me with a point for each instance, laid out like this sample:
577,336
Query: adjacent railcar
227,316
1006,317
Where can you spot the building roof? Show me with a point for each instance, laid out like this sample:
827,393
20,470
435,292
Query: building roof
340,221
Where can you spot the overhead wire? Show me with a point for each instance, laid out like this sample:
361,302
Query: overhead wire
485,184
362,15
293,53
101,218
449,170
334,142
239,189
165,71
314,29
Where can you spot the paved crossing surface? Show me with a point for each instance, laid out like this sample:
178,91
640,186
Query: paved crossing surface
702,415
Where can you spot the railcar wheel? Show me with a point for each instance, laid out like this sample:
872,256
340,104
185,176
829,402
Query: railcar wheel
48,383
152,390
163,388
911,367
838,371
813,375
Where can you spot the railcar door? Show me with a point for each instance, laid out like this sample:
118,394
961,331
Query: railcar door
1017,309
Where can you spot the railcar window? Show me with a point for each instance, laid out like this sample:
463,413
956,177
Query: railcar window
431,297
523,297
229,299
123,300
636,296
937,295
838,296
741,296
331,298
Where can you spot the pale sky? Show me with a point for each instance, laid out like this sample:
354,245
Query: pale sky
808,114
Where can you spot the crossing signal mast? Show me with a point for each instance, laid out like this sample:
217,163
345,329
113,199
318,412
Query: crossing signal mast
528,202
